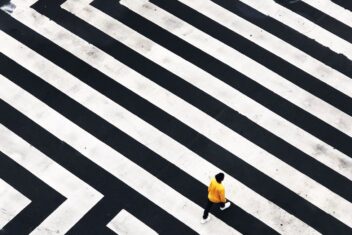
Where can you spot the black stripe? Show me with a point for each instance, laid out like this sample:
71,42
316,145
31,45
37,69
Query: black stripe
337,61
124,144
320,18
117,194
268,99
99,81
44,199
193,140
4,2
222,113
344,3
257,53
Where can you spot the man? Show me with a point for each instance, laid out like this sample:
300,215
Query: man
216,195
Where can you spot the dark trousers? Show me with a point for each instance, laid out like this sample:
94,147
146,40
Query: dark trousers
209,206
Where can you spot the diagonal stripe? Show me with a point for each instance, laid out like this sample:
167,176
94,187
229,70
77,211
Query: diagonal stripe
343,3
146,111
44,199
302,25
333,10
117,194
272,43
125,223
12,203
260,55
148,89
80,197
217,69
321,19
176,107
238,61
121,167
154,139
337,61
257,113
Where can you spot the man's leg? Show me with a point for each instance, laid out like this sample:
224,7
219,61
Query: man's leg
207,209
224,205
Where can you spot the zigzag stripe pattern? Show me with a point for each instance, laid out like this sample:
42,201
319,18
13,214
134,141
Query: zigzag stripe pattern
116,114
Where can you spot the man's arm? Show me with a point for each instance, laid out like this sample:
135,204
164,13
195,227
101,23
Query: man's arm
222,195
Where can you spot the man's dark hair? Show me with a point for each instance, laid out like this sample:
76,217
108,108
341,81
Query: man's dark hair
220,177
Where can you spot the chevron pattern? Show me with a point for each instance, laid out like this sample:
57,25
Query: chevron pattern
116,114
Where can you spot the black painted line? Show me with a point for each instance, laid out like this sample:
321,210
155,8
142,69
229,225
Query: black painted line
126,145
320,18
228,117
44,199
151,162
221,112
264,57
336,61
344,4
105,205
117,194
267,98
257,181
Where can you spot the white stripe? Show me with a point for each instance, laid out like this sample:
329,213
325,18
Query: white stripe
224,93
80,196
113,162
243,64
152,138
302,25
12,202
126,224
330,8
220,134
273,44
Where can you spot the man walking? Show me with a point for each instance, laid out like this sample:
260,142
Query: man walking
216,195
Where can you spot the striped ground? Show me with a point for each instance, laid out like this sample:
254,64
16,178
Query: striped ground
114,115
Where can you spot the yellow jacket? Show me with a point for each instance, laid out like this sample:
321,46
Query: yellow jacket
216,192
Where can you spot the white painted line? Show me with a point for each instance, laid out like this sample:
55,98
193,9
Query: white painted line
113,162
332,9
302,25
80,196
220,134
273,44
243,64
152,138
12,203
126,224
218,89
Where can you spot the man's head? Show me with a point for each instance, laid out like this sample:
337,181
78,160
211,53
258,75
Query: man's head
219,177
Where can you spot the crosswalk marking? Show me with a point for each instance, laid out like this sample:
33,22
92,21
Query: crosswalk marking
126,224
302,25
152,138
229,96
176,87
173,105
129,80
112,161
270,42
12,202
332,10
281,172
238,61
80,197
